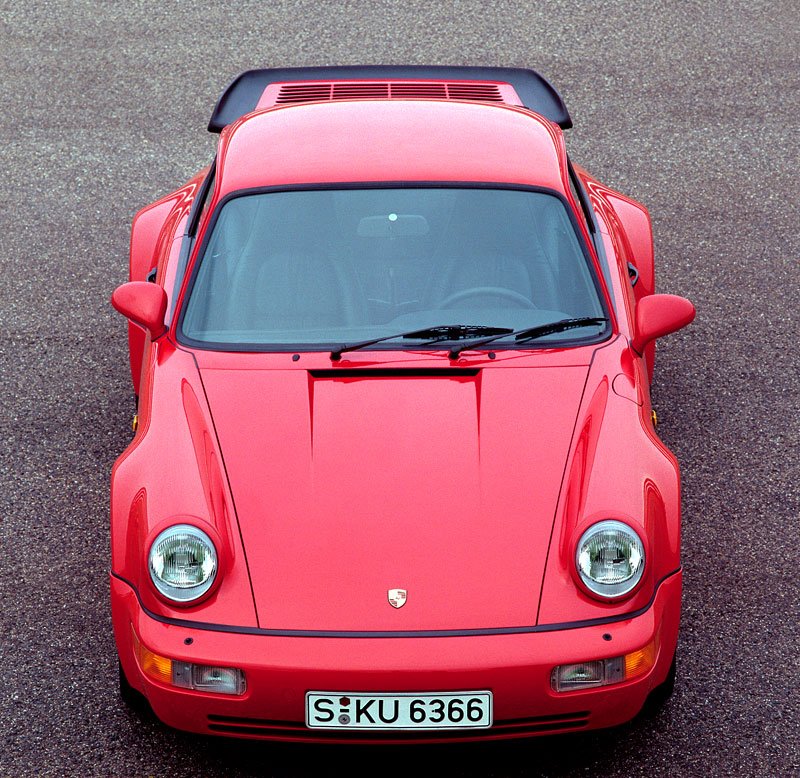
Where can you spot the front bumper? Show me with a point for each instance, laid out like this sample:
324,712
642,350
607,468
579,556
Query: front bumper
280,670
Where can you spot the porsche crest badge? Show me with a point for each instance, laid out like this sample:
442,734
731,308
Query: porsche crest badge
397,597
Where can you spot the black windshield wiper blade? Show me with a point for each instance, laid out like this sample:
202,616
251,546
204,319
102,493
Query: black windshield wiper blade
430,334
530,333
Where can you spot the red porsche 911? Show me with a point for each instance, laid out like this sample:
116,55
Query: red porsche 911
395,474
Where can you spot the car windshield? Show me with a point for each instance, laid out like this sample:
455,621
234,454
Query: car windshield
319,268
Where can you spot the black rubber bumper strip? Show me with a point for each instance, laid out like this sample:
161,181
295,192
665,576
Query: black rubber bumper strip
424,633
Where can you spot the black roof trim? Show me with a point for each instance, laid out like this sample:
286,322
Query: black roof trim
245,90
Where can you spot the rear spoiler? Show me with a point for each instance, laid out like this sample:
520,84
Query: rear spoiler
244,92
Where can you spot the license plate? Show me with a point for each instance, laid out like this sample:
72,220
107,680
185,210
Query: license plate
402,710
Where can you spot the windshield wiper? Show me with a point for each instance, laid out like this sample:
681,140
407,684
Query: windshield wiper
530,333
429,334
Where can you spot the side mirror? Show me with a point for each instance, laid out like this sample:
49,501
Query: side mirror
658,315
144,304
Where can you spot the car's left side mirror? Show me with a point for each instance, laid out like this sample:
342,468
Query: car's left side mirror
658,315
144,304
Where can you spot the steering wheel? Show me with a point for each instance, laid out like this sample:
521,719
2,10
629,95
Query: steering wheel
492,291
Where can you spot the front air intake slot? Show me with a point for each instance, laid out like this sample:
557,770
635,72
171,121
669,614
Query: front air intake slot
297,731
395,372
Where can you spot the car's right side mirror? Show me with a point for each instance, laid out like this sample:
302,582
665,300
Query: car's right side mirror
658,315
144,304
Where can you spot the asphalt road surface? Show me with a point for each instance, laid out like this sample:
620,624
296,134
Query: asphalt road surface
690,107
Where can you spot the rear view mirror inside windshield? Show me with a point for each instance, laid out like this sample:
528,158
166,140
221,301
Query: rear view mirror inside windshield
392,225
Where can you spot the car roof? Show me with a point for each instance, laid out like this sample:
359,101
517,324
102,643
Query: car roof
390,141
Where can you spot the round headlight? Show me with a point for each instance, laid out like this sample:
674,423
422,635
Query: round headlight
610,559
183,563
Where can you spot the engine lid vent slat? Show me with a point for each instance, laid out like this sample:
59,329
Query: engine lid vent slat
406,90
307,92
349,91
304,93
474,92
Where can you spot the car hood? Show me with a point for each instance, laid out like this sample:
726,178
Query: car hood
443,485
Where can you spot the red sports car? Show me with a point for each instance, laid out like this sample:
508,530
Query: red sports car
395,474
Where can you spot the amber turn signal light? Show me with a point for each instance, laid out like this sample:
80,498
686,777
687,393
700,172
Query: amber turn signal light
604,672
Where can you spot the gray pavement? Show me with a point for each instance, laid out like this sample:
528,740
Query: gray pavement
691,107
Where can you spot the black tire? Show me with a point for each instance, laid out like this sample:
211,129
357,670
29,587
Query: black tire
133,698
660,695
